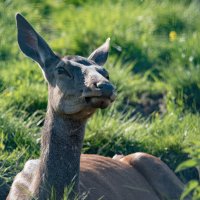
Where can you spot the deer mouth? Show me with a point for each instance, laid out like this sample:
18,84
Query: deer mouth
98,98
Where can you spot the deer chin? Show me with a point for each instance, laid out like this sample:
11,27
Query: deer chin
83,114
90,106
98,102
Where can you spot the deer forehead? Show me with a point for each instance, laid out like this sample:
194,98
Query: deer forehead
88,68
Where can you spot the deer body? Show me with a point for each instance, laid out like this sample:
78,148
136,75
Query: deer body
78,86
106,178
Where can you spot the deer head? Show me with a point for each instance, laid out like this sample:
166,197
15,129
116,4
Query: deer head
77,85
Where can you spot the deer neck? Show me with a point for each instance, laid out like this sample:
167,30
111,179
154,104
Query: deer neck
60,157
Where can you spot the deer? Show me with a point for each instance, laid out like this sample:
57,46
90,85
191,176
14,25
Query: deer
77,87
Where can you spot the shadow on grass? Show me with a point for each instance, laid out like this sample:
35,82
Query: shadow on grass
4,189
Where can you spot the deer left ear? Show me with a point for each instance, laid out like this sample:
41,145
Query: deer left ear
32,44
100,55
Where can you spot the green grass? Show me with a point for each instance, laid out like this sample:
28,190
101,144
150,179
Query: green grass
157,77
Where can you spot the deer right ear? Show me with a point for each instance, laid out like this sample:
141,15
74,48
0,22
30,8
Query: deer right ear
31,43
100,55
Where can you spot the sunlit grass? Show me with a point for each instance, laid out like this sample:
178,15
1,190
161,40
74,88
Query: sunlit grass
154,57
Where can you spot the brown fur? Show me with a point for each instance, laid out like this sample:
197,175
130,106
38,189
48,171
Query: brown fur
137,176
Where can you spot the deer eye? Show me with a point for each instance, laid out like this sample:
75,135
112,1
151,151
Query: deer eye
63,71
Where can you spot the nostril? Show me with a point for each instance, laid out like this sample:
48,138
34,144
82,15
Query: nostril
95,85
102,85
106,88
99,85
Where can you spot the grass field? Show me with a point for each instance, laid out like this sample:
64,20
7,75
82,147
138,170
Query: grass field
154,63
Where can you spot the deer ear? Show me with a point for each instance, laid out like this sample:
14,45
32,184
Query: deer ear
31,43
100,55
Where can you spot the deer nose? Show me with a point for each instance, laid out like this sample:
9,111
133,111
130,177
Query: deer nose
107,89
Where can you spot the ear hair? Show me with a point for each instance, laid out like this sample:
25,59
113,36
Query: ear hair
100,55
31,43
